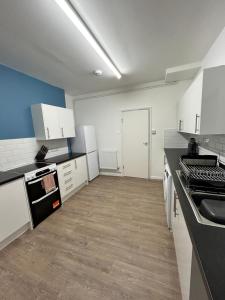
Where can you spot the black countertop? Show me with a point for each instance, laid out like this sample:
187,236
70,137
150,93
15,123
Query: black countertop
208,242
17,173
63,158
9,176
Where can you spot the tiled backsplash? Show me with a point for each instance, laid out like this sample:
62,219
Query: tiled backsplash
18,152
208,144
172,139
214,143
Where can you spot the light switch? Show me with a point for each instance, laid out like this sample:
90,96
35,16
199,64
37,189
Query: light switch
153,131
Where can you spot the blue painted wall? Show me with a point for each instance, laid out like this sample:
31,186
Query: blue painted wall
17,93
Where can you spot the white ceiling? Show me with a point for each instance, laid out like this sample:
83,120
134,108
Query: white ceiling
143,38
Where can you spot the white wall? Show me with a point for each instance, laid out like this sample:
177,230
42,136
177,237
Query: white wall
69,101
105,114
216,54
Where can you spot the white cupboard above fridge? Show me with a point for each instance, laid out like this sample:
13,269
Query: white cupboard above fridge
52,122
201,110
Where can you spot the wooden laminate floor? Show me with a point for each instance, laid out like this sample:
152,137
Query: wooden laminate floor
109,241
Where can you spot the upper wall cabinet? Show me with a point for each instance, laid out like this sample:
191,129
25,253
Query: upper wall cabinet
52,122
201,110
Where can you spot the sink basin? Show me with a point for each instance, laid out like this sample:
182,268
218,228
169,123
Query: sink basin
195,199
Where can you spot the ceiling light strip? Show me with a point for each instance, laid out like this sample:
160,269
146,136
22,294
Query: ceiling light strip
81,26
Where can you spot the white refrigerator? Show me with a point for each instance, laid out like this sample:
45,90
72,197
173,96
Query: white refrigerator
85,142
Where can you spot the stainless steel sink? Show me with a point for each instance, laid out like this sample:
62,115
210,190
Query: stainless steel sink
195,198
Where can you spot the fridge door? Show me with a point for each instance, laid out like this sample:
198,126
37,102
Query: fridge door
90,138
93,167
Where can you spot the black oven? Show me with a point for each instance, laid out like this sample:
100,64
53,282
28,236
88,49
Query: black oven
42,204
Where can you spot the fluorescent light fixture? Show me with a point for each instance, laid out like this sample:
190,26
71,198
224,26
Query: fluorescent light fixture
81,26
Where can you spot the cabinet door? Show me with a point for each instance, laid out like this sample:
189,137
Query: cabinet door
183,247
181,122
66,121
194,104
81,175
51,122
14,212
189,109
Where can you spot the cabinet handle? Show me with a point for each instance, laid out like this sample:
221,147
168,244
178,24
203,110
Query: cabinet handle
62,132
68,180
196,123
67,173
175,205
180,125
75,163
69,187
67,166
48,133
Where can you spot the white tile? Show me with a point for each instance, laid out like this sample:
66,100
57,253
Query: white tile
19,152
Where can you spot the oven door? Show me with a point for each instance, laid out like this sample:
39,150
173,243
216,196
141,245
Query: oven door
42,204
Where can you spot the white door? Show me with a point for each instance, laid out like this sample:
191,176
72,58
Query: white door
90,139
66,120
93,167
51,121
136,143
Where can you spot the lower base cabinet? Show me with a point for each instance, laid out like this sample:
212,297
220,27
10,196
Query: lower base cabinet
72,174
191,282
197,287
183,248
14,212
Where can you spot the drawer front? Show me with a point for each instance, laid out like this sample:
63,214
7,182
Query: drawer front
66,170
65,190
66,165
66,175
68,181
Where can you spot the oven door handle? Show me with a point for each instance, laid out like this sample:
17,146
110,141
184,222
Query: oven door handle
45,196
39,179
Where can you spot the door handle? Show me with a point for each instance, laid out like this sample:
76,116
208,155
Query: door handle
145,143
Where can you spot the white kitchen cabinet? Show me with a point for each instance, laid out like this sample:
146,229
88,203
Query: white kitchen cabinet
197,289
81,175
52,122
200,111
72,174
14,212
183,247
66,122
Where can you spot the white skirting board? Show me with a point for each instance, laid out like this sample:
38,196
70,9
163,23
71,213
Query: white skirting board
15,235
105,173
108,159
156,178
108,173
